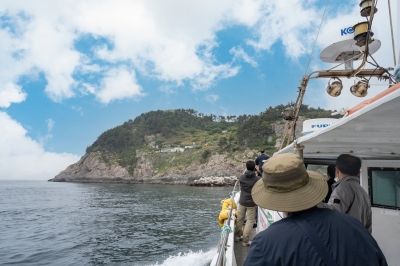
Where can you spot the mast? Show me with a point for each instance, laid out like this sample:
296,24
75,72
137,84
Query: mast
359,36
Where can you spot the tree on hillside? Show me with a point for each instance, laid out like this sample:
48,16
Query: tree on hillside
245,130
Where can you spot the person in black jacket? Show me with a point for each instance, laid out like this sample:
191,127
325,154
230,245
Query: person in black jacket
260,160
330,172
246,203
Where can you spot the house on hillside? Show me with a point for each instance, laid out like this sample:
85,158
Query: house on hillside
178,149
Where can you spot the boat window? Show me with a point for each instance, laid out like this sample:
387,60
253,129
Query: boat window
320,168
384,187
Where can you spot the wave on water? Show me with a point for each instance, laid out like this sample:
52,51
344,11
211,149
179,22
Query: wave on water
190,258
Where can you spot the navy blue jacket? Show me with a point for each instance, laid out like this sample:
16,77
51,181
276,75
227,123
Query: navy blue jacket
260,159
346,239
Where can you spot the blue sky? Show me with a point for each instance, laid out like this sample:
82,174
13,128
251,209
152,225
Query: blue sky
71,70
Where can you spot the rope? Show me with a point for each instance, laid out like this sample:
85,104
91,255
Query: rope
226,228
315,41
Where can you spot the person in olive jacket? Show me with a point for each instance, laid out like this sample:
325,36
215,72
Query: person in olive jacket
246,203
347,194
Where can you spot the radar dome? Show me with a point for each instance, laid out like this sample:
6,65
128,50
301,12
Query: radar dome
340,45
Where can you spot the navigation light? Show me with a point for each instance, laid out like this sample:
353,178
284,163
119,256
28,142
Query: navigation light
335,88
360,88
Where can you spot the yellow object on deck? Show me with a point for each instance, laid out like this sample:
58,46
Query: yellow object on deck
224,213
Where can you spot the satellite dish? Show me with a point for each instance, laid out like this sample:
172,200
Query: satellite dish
341,46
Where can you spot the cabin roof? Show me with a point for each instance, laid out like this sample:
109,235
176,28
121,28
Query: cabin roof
370,131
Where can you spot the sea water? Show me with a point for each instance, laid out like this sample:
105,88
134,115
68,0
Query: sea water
48,223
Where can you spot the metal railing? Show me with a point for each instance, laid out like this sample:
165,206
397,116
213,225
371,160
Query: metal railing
226,230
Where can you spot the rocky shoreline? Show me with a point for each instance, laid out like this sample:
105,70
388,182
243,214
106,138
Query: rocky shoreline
202,182
214,181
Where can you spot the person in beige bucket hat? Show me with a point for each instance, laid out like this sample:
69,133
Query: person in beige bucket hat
308,235
287,186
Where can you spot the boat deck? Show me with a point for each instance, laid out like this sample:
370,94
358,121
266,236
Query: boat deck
240,251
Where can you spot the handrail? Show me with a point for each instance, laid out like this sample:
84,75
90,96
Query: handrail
226,229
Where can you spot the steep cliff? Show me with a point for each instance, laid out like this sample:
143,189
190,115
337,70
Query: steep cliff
92,168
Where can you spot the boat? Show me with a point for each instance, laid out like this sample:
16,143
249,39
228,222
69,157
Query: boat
369,130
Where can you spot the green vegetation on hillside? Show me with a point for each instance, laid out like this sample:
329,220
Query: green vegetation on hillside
167,125
254,131
156,130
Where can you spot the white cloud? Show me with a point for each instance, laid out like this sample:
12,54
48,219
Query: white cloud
212,98
88,88
293,22
40,44
50,125
172,41
88,68
118,84
206,79
78,109
11,93
239,53
168,88
51,51
25,159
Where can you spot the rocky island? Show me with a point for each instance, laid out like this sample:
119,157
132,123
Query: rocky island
181,147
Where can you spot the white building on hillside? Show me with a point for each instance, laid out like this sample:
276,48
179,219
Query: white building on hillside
178,149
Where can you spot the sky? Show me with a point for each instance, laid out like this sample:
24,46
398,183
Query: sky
69,70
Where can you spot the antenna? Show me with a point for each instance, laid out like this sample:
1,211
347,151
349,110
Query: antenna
391,31
316,37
